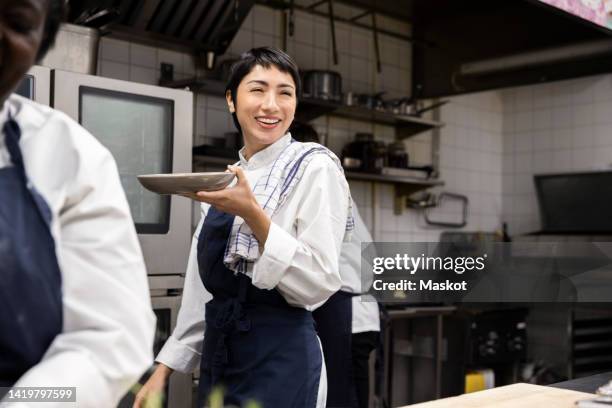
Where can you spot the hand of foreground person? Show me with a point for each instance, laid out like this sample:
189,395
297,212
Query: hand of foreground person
151,394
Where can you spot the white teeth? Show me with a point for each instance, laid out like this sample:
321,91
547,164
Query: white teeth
268,121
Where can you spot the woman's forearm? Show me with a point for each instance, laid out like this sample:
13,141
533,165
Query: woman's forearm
259,222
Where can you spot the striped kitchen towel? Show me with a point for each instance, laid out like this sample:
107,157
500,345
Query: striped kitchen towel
271,191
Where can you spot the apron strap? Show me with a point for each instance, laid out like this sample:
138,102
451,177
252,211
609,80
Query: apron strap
12,133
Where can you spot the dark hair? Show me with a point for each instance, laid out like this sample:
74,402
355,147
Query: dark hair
266,57
303,132
56,12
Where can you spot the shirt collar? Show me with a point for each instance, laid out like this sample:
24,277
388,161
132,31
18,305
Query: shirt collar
265,156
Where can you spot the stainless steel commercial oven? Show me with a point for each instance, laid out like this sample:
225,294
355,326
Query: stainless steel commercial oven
148,129
166,301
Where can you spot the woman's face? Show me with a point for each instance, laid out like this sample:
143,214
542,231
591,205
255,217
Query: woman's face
21,32
266,102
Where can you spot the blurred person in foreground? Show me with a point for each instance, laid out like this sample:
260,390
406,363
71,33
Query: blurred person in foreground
74,300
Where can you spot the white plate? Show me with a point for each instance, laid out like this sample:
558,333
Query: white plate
185,182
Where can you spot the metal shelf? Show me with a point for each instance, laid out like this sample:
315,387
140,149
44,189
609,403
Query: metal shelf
408,185
309,109
403,186
417,182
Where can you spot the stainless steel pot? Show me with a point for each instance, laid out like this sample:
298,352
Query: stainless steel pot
371,101
325,85
402,106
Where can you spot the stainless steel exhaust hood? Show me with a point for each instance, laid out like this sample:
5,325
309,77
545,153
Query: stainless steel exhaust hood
199,26
482,44
476,45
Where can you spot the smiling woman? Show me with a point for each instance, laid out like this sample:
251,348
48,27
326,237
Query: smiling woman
267,106
265,254
267,84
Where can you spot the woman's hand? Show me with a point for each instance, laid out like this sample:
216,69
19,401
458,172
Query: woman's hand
239,200
151,394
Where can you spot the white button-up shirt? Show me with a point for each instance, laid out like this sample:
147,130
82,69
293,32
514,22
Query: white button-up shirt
108,325
300,257
365,309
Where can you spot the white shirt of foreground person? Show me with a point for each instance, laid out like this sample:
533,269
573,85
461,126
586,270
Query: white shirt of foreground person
365,309
108,326
300,257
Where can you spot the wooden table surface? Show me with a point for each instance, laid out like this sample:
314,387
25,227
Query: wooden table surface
511,396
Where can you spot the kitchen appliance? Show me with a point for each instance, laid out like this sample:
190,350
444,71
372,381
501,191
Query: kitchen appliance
166,301
36,85
364,154
575,203
206,27
401,106
411,107
148,129
397,155
497,336
325,85
371,101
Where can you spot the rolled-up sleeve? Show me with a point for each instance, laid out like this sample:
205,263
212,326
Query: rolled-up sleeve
108,324
183,349
303,264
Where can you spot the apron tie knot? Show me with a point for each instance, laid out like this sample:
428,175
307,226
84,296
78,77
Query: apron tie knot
230,318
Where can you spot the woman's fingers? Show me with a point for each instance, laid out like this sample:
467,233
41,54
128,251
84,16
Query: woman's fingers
140,397
235,200
151,393
239,174
209,196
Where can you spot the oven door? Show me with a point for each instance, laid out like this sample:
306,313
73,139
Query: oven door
180,387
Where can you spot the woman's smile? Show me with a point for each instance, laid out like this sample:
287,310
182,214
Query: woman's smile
268,122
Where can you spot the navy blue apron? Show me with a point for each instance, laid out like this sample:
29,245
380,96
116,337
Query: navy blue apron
30,279
256,346
335,328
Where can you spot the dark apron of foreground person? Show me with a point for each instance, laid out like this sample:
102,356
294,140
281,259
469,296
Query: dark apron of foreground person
256,346
30,283
334,326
